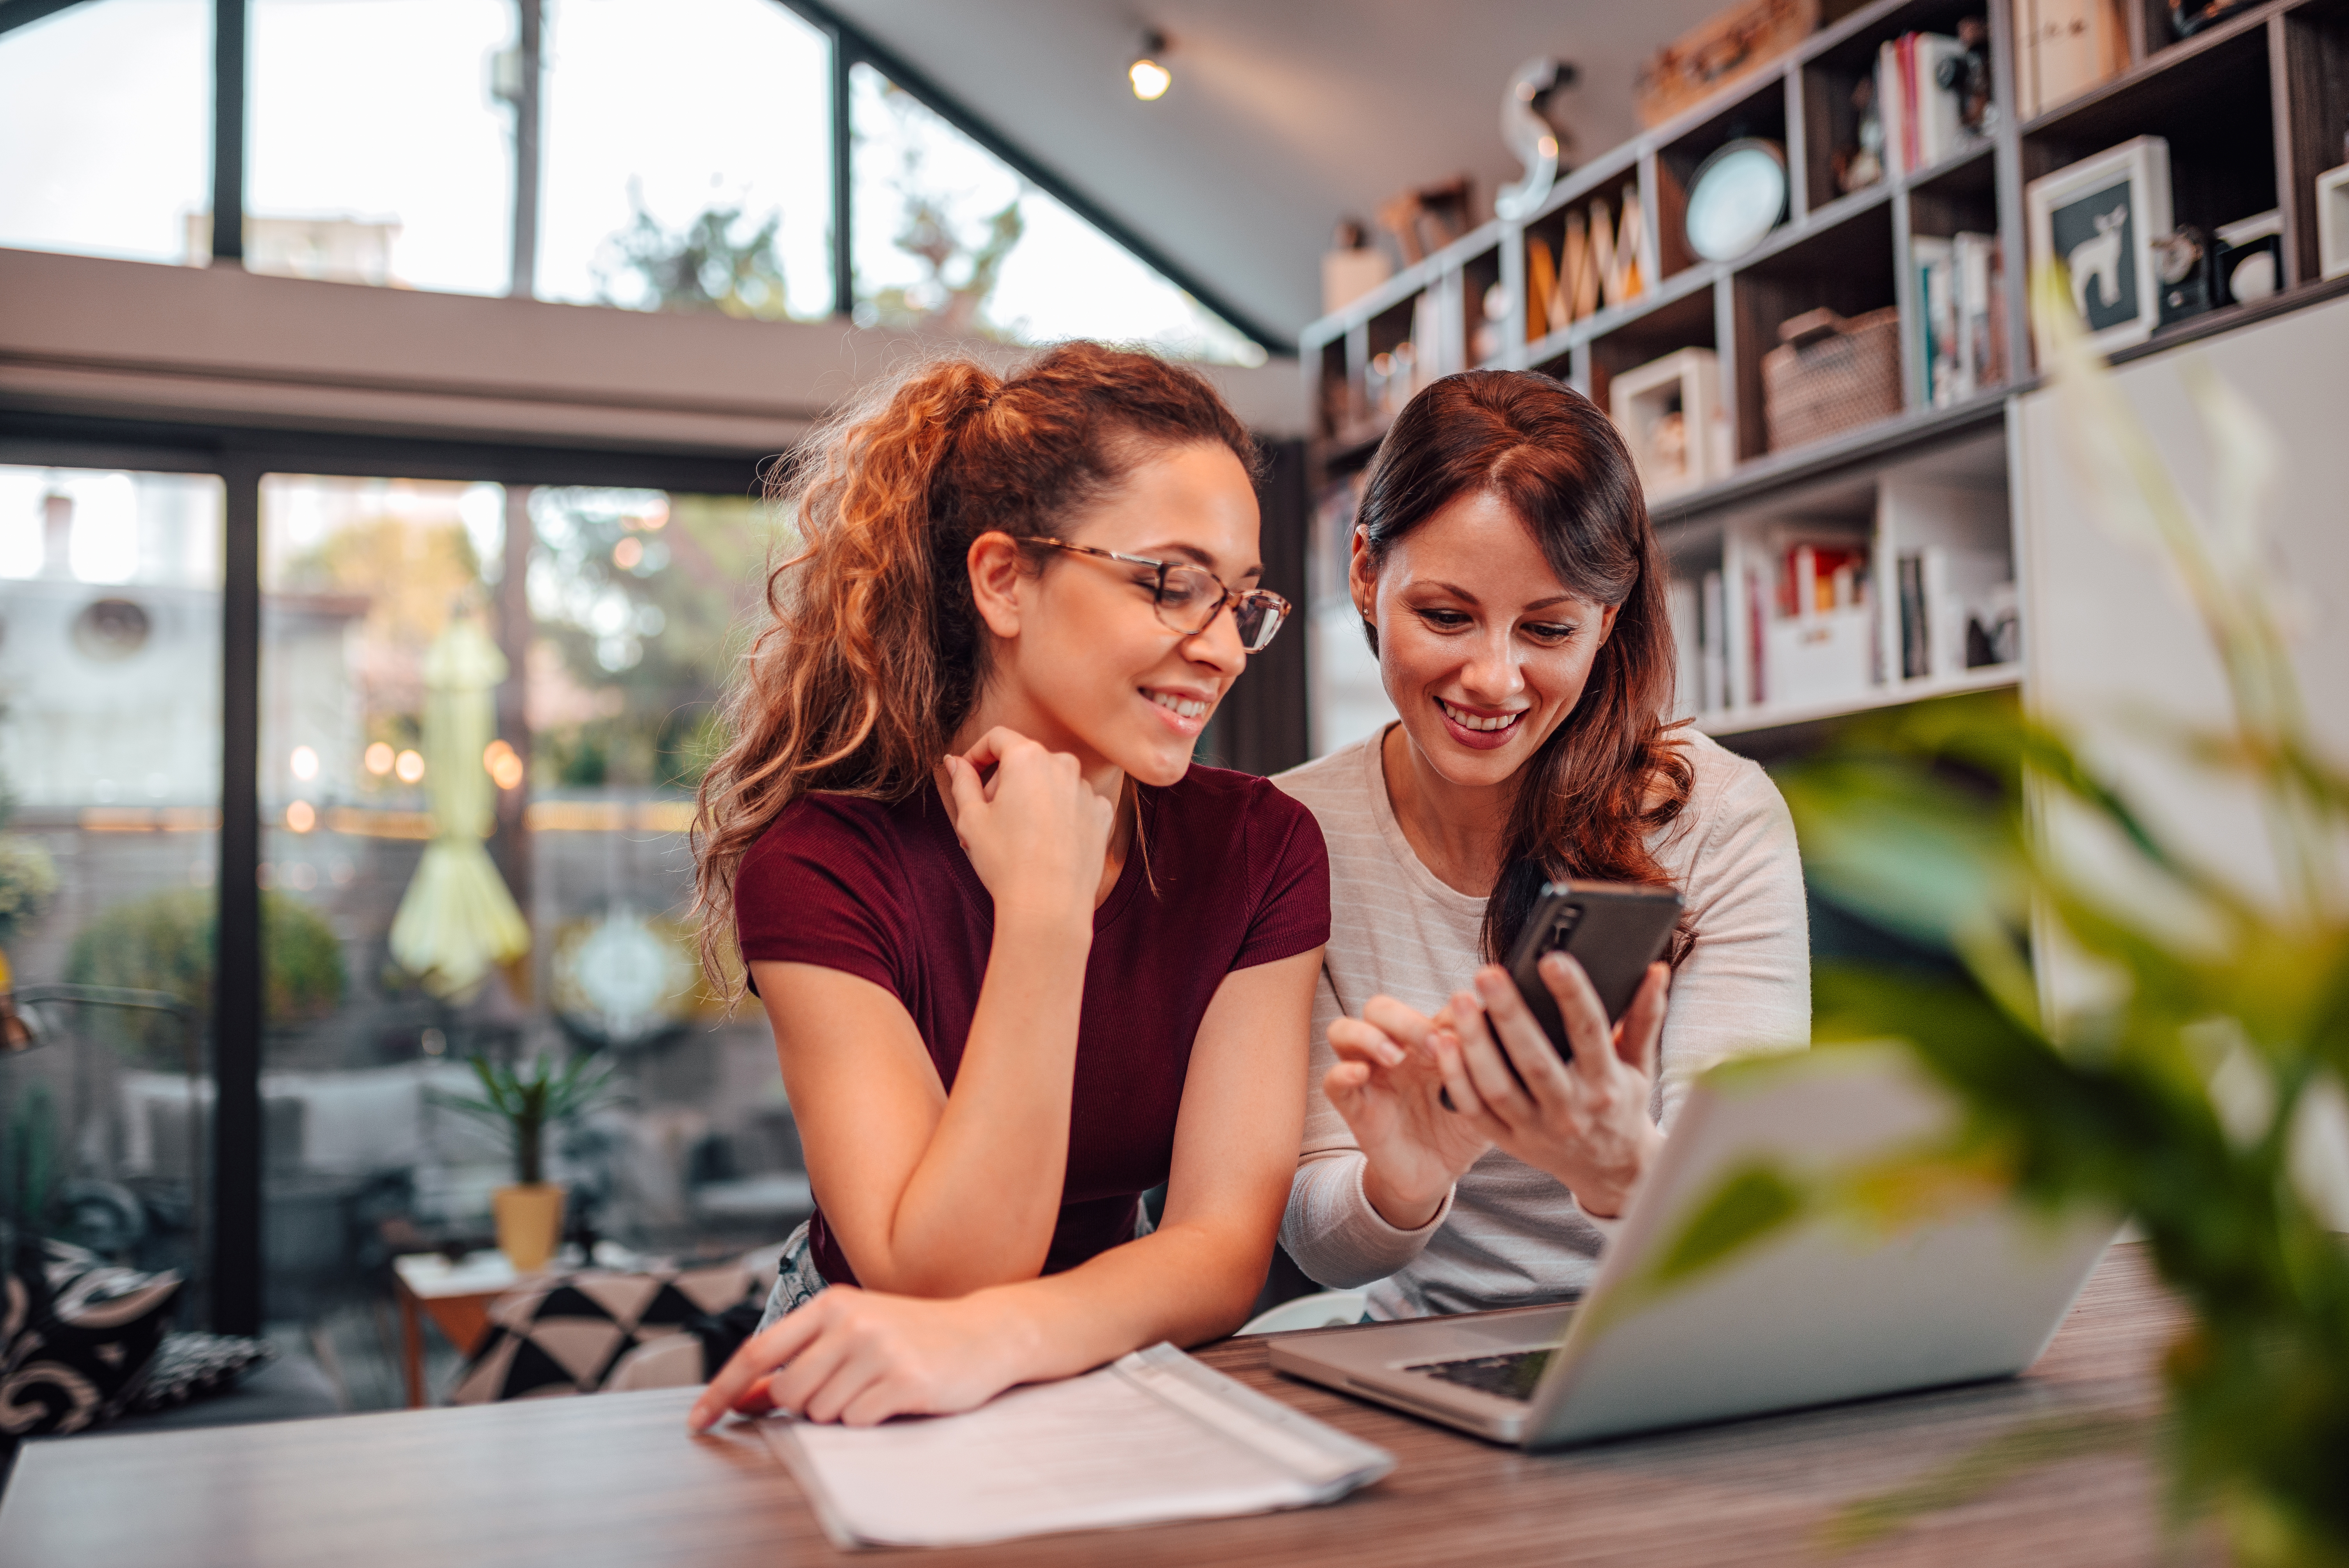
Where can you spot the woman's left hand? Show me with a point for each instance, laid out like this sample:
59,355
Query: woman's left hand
858,1356
1586,1122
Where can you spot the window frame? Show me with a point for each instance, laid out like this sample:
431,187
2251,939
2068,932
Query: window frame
851,44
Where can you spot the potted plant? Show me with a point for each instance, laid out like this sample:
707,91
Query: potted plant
528,1213
2202,1089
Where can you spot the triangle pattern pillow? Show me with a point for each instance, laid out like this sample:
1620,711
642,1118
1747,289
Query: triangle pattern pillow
564,1334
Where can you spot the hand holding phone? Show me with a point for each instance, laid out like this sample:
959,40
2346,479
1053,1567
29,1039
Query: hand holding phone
1510,1067
1614,929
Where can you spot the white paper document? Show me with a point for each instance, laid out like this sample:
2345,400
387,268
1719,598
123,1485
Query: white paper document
1155,1436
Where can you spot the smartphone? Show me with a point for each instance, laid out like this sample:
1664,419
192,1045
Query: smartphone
1614,929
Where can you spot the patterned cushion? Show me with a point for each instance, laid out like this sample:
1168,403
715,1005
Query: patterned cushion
191,1366
563,1335
77,1337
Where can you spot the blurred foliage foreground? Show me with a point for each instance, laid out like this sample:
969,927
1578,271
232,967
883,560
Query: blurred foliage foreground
2200,1089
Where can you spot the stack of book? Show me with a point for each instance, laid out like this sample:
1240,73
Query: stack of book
1957,612
1960,318
1920,117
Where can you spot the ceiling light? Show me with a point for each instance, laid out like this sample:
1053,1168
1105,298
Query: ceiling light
1149,78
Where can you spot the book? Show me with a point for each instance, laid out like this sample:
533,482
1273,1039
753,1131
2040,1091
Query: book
1713,643
1923,121
1980,342
1961,328
1915,658
1153,1436
1680,604
1931,259
1890,110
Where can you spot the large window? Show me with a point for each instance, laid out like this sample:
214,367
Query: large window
379,152
106,130
686,161
392,620
109,790
948,236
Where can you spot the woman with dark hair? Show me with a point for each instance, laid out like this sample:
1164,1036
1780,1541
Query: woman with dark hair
1509,581
1023,962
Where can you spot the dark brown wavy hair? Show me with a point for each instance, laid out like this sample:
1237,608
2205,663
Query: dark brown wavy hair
1612,774
872,653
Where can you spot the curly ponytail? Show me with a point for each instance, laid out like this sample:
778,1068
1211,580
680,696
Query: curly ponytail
873,654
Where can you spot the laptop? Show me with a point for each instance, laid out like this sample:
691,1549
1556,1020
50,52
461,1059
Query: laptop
1827,1309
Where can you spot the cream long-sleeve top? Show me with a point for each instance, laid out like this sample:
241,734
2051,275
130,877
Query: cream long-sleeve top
1509,1234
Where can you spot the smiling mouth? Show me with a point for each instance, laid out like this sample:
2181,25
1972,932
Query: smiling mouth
1467,720
1179,706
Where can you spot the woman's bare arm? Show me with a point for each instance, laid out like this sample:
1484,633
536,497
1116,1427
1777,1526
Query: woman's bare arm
862,1356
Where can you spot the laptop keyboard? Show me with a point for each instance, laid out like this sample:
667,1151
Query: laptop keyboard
1512,1376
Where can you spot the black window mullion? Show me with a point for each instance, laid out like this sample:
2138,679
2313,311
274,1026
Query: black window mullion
236,1262
844,173
229,57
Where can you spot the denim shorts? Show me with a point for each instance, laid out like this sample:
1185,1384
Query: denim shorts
797,1282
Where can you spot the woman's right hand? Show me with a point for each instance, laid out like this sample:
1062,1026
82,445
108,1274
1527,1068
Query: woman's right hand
860,1357
1388,1086
1036,832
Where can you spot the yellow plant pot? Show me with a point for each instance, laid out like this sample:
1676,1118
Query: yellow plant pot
530,1223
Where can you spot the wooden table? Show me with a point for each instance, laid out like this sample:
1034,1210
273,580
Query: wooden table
613,1479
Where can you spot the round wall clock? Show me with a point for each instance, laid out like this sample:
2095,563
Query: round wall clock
1737,196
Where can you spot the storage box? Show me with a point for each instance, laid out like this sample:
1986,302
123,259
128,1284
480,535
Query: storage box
1830,374
1733,45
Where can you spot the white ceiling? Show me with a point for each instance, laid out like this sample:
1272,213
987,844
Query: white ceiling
1285,115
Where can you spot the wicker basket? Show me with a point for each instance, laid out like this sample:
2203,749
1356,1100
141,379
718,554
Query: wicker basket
1830,374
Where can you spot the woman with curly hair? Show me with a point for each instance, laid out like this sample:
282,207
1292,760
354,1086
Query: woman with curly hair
1023,961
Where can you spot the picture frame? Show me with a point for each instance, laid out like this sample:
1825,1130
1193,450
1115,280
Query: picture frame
1668,412
2100,217
2333,223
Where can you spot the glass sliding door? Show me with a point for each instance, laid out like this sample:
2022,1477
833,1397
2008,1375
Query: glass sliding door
481,698
109,795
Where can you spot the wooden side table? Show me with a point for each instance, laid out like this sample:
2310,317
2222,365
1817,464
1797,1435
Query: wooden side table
455,1296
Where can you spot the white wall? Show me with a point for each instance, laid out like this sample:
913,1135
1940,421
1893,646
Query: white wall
2110,631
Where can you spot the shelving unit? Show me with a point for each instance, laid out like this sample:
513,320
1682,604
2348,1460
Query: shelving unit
2253,110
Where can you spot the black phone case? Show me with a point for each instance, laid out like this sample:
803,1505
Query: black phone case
1614,929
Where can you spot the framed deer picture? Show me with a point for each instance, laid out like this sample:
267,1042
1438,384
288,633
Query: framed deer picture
2100,218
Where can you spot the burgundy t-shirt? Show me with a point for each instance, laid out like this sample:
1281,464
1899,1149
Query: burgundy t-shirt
885,893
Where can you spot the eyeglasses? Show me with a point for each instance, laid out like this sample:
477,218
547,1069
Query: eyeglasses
1188,598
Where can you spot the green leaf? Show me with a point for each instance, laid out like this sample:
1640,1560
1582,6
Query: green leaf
1752,1204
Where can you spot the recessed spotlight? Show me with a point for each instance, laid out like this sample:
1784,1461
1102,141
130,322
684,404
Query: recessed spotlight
1150,77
